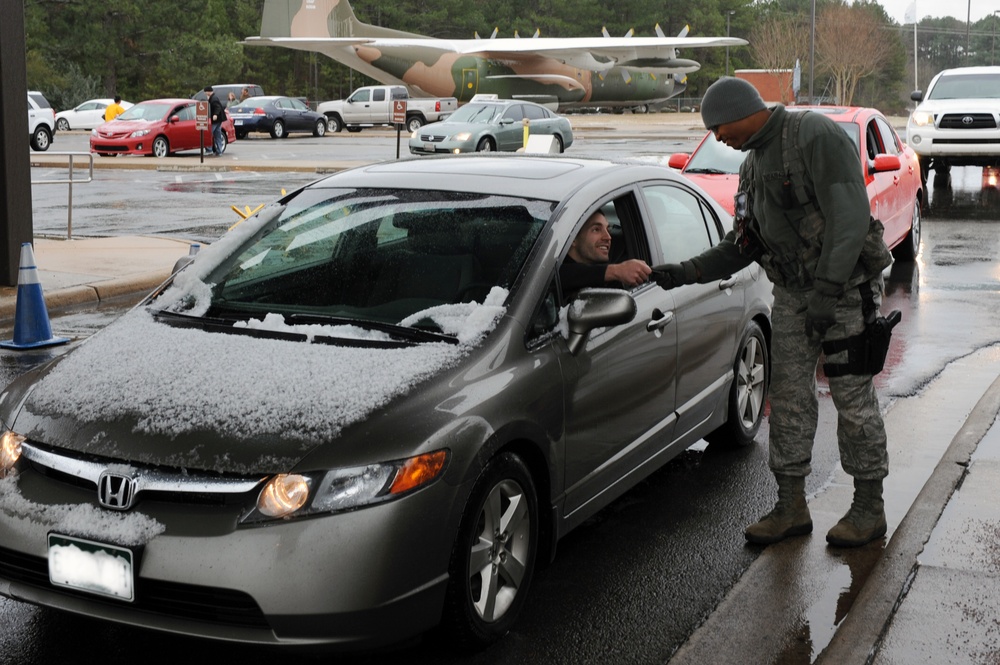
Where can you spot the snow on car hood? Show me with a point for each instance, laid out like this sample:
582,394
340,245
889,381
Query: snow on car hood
151,392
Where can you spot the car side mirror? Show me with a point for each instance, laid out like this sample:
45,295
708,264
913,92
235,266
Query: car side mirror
678,160
597,308
917,95
174,118
884,162
506,121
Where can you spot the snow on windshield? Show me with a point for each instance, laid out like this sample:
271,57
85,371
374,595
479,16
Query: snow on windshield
174,381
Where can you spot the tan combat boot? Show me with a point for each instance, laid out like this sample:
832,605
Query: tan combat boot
865,521
790,516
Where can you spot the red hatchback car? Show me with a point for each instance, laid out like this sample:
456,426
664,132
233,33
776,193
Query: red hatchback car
157,127
892,173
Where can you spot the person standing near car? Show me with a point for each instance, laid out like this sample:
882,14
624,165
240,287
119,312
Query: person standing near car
114,109
803,214
217,112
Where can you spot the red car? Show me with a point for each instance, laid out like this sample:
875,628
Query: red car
157,127
892,173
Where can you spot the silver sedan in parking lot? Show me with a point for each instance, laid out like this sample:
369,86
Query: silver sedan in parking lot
371,408
489,126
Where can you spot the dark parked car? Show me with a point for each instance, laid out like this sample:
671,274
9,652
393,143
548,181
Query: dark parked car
278,116
364,410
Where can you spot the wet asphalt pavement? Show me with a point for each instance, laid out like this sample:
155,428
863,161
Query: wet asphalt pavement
634,582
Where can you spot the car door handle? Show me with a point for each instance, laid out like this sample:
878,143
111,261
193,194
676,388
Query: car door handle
729,282
660,321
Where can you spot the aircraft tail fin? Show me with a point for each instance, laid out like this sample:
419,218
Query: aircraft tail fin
319,19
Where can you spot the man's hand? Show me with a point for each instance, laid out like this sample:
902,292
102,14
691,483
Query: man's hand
821,308
672,275
630,273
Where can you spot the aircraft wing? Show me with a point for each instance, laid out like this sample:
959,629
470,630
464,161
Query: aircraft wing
643,53
653,54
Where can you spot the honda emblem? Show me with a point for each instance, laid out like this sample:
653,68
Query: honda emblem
115,491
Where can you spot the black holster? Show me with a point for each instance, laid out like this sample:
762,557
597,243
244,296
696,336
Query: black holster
867,350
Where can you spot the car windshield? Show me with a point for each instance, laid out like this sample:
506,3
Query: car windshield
146,112
378,255
718,158
966,86
476,113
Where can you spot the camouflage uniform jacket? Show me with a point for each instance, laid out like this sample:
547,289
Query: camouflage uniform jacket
798,243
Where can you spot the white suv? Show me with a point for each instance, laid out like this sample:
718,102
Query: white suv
41,121
957,121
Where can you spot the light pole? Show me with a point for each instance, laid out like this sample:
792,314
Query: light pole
993,46
812,51
728,14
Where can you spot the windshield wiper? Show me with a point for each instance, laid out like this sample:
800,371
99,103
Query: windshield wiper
710,171
415,334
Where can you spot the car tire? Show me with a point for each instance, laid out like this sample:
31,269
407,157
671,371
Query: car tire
748,393
493,560
320,128
62,124
225,143
333,124
278,130
413,123
41,139
559,143
908,249
161,147
485,145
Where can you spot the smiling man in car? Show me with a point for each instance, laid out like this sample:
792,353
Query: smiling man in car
587,263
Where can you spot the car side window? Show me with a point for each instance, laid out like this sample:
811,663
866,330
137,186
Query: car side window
890,141
378,95
872,141
682,223
297,104
361,96
534,112
185,112
514,113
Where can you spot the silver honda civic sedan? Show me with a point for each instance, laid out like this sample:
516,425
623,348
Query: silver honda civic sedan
373,407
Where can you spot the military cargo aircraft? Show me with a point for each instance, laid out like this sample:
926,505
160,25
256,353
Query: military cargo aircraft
561,73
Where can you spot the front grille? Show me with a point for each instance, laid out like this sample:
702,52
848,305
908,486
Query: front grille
966,141
431,138
182,601
968,121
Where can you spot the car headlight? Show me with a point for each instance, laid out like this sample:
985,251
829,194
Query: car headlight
139,132
10,451
298,495
922,118
415,134
461,136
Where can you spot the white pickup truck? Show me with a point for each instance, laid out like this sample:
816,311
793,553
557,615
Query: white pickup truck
373,105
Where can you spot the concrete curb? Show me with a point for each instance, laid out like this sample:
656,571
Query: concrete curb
858,638
91,294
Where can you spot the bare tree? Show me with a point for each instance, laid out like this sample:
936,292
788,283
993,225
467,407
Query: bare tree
850,45
776,43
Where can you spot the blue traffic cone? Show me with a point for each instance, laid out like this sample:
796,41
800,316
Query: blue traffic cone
32,329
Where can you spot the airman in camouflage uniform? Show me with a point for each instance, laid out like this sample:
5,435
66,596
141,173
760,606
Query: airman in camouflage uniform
808,224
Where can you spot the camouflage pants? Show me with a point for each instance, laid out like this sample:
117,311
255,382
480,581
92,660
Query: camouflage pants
794,404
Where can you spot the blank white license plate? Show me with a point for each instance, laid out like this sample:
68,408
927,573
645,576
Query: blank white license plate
237,122
93,567
429,147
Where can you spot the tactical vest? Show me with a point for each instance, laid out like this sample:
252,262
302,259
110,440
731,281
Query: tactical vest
798,271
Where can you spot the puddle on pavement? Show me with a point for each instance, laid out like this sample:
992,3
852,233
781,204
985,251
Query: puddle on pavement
832,604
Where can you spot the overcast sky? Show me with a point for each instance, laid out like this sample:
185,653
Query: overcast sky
960,9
